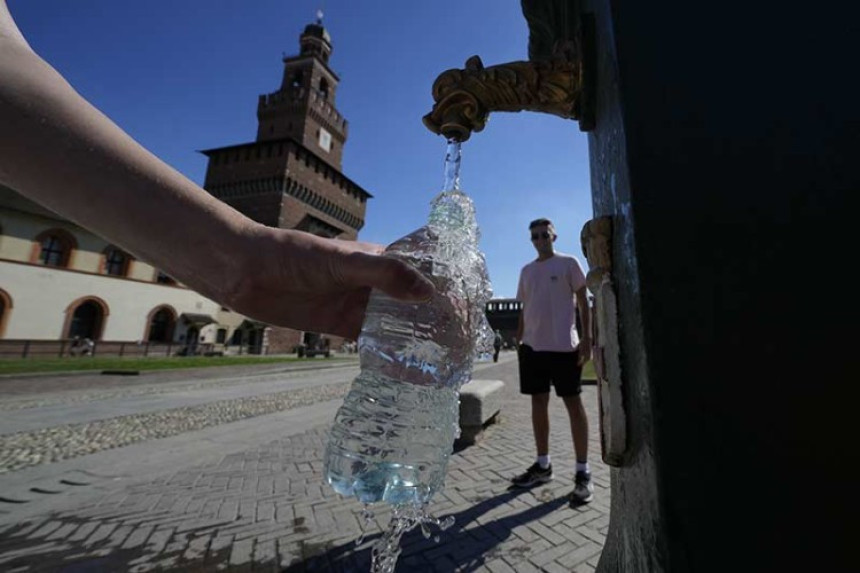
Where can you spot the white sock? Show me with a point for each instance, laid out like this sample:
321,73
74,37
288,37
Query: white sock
583,467
543,461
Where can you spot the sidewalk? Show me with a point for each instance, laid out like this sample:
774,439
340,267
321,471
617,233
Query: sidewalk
249,496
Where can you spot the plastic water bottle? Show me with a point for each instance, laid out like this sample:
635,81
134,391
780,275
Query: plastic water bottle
391,439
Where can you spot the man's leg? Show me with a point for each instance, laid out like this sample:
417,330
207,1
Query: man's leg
535,383
578,426
567,376
583,490
540,422
541,470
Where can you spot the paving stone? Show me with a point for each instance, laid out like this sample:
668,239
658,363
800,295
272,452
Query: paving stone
499,566
580,555
45,530
196,549
190,519
33,551
101,533
554,567
119,535
158,540
137,537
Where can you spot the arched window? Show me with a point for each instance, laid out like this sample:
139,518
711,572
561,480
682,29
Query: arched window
85,318
54,248
116,262
163,278
5,310
324,88
53,251
297,80
160,324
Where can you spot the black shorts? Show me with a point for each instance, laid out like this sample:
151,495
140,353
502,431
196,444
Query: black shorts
540,369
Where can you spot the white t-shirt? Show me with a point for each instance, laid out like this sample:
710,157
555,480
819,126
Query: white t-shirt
546,289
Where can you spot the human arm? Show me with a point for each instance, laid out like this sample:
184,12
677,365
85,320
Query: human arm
519,337
584,352
60,151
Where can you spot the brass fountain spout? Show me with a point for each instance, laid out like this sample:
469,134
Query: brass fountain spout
557,79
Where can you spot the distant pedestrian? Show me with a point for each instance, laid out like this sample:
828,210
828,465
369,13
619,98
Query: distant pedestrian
497,345
76,347
550,352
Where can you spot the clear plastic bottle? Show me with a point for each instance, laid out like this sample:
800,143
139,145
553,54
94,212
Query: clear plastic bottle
391,439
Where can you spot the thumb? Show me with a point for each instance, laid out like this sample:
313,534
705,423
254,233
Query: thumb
393,277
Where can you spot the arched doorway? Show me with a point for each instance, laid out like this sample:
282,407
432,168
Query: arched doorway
5,310
160,325
192,336
85,319
250,337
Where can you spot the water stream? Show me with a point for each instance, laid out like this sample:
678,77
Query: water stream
393,436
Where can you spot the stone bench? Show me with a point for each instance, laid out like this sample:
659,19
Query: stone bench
480,404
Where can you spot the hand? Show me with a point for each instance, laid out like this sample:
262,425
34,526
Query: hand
299,280
584,351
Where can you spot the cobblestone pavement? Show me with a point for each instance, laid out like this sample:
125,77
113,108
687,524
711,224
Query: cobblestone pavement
47,445
266,508
22,392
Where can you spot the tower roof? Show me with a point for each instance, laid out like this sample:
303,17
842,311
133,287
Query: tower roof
316,39
316,30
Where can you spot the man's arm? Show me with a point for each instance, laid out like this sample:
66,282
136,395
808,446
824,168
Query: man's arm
519,338
60,151
521,295
585,317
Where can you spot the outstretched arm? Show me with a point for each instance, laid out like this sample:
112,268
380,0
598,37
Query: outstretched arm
60,151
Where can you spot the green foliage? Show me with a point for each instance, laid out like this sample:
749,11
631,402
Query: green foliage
588,371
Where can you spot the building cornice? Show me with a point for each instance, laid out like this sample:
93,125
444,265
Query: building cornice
251,145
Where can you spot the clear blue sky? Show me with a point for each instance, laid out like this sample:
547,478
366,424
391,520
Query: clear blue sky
184,75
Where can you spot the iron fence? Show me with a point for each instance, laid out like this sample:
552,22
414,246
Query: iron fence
11,349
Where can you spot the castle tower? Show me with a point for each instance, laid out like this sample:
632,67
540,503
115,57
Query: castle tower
290,176
304,106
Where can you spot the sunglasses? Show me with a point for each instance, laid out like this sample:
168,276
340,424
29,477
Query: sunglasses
544,235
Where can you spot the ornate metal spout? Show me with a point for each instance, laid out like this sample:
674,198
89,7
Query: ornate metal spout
557,78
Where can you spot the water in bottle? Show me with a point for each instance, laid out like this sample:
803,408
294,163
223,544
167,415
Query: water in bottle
391,439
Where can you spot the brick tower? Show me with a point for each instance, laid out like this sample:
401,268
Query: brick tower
290,176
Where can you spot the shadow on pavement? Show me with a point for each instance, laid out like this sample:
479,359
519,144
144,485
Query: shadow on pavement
459,548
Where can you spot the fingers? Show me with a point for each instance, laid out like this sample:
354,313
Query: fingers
584,357
395,278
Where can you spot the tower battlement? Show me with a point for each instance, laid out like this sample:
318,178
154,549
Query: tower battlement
294,101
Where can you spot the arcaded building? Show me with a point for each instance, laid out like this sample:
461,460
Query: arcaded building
59,281
291,175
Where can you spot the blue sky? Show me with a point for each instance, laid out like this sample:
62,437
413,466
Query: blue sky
184,75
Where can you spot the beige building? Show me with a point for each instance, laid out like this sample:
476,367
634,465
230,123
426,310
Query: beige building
59,281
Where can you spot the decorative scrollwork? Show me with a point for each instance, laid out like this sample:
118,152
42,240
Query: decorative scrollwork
558,77
464,98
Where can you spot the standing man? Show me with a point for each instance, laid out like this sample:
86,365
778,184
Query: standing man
550,352
497,345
